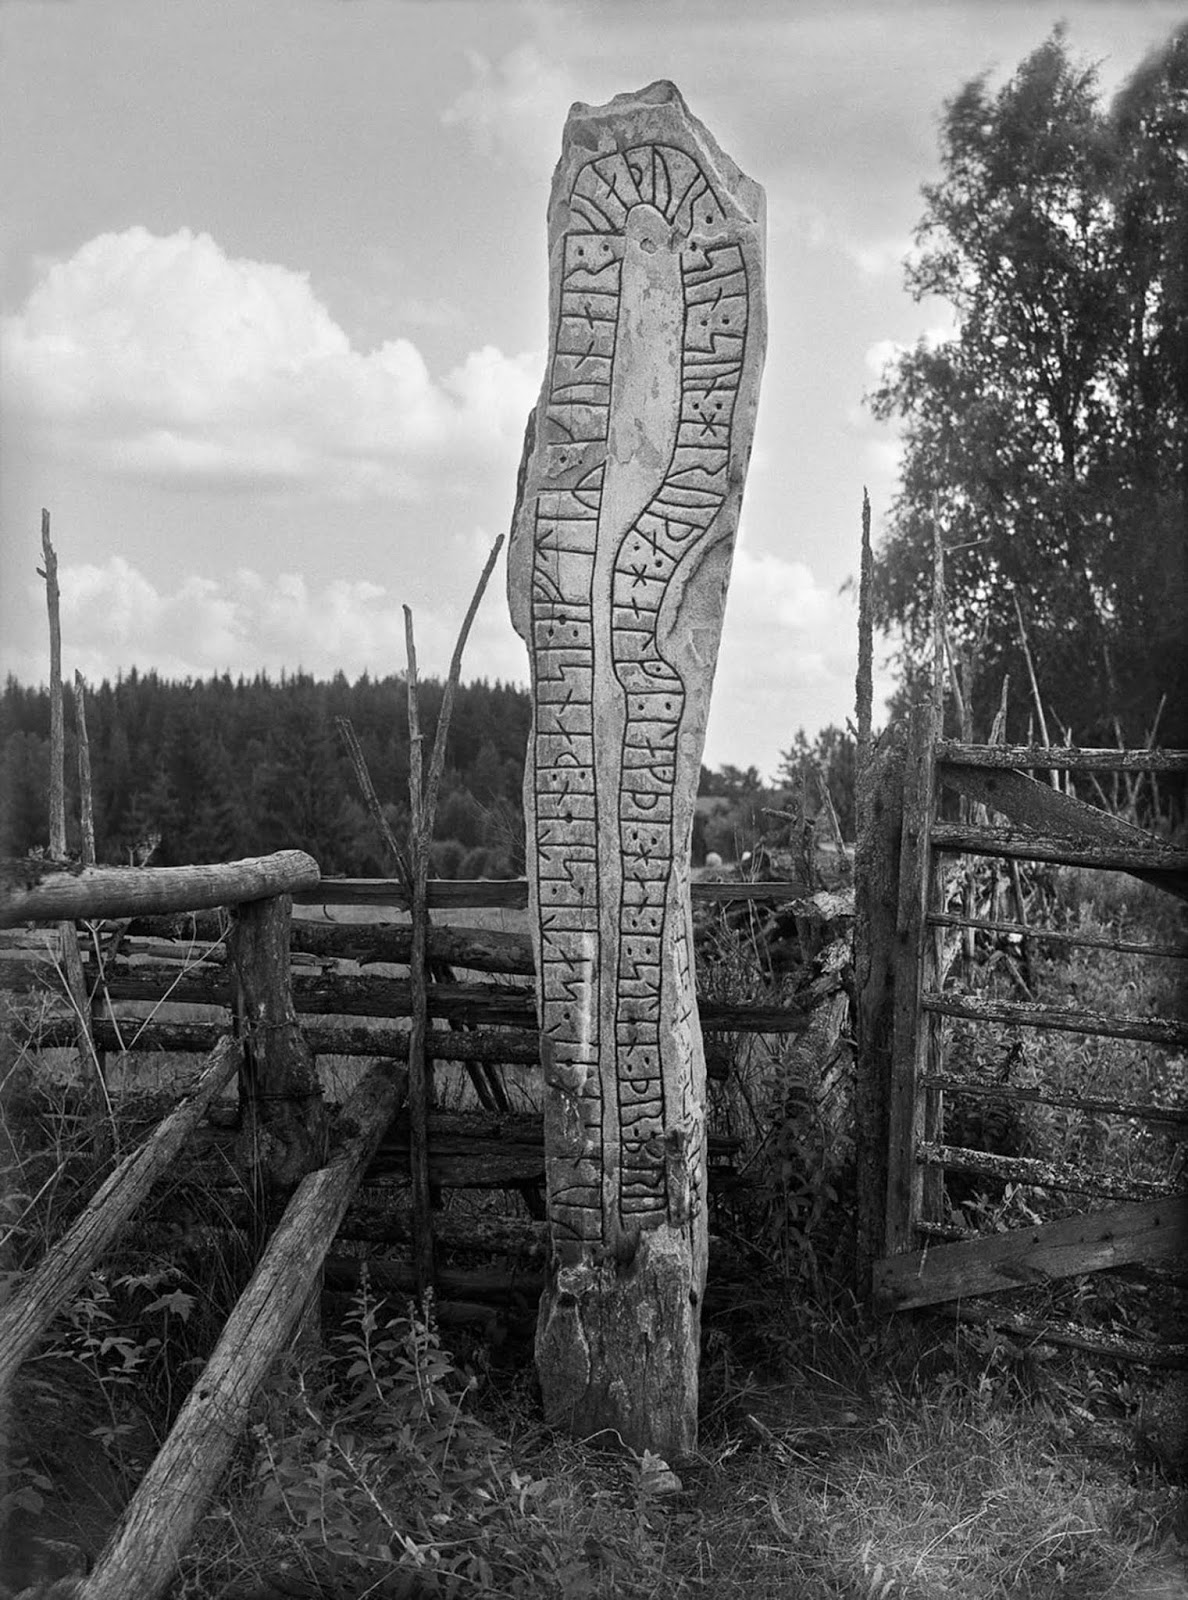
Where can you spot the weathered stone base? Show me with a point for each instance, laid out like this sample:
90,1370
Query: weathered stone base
618,1346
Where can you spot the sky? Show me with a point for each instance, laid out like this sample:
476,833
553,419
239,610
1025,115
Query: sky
273,311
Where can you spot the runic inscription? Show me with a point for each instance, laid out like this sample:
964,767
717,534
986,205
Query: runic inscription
627,508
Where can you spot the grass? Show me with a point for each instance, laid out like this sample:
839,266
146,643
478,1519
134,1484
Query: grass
838,1458
812,1481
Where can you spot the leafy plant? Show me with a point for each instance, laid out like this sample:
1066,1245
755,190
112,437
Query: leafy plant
384,1473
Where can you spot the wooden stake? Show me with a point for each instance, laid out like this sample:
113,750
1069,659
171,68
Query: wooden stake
1035,694
864,683
87,837
86,799
423,808
57,793
371,799
938,628
419,1072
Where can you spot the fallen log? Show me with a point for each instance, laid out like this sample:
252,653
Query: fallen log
142,1554
37,1301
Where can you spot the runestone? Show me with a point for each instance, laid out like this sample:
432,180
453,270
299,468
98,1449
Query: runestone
627,508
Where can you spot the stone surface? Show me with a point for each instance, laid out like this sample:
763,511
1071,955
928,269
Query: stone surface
625,520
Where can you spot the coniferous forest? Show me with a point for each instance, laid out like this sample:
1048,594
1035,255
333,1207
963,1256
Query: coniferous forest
220,769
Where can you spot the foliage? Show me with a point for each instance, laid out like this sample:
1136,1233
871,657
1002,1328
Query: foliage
833,756
737,813
221,769
1049,434
1072,1065
384,1482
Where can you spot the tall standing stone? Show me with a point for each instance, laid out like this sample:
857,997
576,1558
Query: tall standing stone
621,545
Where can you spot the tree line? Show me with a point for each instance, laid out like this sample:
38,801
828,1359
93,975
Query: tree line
216,769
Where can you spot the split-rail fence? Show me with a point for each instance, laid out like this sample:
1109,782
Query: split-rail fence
276,991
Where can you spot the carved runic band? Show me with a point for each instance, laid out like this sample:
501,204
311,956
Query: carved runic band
626,512
604,1018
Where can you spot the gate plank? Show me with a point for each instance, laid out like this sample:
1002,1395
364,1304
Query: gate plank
1040,807
1060,1019
1157,861
910,1037
1071,757
1136,1232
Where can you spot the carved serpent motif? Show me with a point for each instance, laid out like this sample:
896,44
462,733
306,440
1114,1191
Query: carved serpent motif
652,194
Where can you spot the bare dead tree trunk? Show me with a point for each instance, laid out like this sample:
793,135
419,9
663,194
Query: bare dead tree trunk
75,982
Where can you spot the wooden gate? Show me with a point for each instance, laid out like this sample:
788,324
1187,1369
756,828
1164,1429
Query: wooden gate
922,1263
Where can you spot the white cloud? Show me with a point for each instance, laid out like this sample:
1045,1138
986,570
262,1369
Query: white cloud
514,107
114,618
788,658
167,359
878,258
883,351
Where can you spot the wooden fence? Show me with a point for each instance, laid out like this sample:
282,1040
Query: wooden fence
913,861
292,989
274,996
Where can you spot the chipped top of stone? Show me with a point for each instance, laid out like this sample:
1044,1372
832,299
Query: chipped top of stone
657,112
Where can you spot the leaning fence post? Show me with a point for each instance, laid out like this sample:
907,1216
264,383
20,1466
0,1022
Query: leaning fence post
916,960
876,894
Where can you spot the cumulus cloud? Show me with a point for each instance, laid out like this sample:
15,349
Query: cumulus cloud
879,355
114,618
165,358
878,258
788,658
514,108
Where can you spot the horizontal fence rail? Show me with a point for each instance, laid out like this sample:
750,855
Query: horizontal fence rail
1151,1030
1035,1094
1125,1234
950,752
51,894
511,894
1022,845
1062,1175
1080,941
486,1004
